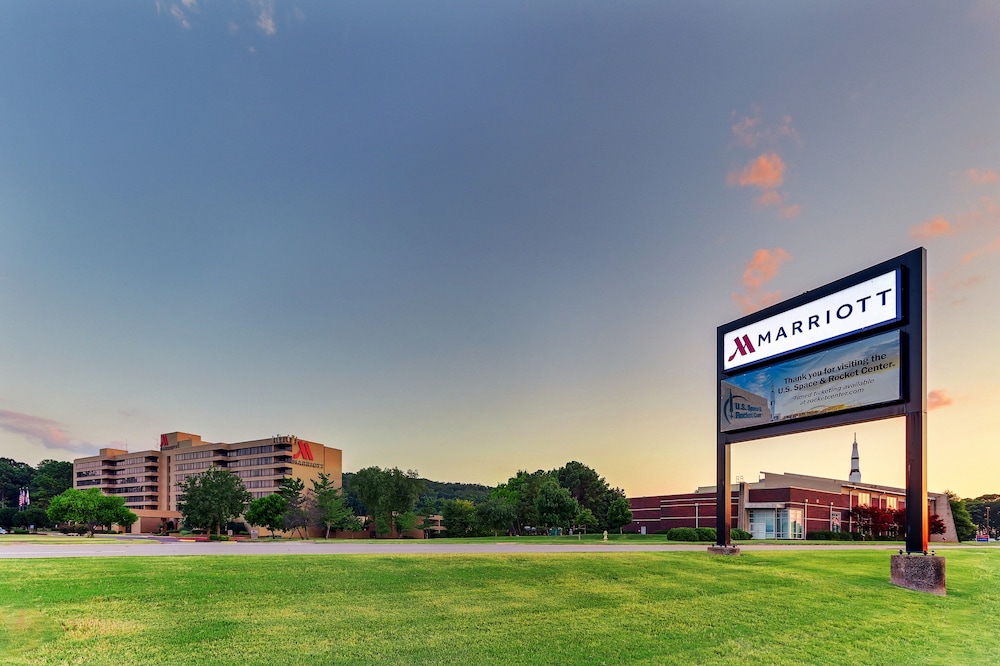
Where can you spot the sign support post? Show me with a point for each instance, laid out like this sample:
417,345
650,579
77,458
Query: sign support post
916,409
723,496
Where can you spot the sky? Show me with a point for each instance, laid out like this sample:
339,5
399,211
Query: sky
474,238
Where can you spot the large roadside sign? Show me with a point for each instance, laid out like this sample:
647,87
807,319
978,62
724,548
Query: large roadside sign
851,351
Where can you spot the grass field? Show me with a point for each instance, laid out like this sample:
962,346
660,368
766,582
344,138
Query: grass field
825,607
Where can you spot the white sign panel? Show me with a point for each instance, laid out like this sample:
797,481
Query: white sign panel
856,308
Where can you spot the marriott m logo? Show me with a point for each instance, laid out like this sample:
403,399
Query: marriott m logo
304,451
743,347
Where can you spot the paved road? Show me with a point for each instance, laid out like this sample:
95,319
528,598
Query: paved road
132,547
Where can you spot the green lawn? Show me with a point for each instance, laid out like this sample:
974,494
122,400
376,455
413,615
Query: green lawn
793,607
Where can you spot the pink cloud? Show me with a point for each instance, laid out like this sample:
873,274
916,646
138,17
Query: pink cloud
986,249
788,212
932,228
770,198
767,172
751,130
751,302
40,430
761,269
786,129
977,177
937,399
746,132
764,266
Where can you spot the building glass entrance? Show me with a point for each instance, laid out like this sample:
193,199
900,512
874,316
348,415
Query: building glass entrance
776,523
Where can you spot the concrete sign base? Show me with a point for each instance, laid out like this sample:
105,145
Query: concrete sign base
923,573
723,550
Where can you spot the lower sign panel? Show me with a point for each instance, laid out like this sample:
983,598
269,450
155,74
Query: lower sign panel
858,374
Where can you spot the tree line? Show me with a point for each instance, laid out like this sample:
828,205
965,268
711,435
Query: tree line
392,502
573,496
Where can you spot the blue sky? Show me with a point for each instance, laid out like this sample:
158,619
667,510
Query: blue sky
472,238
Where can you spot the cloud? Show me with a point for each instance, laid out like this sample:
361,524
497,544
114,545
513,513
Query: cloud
761,269
788,212
40,430
986,249
767,172
977,177
259,12
937,399
746,131
178,14
265,16
750,131
769,198
750,303
764,266
937,226
786,129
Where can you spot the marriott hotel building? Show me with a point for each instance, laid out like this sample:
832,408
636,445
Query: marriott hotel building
150,480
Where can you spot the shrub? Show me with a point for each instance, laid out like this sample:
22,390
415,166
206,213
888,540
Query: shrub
821,535
739,535
218,537
708,534
683,534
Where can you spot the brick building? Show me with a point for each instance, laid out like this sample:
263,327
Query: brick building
781,506
150,480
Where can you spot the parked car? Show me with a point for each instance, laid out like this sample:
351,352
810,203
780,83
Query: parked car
3,531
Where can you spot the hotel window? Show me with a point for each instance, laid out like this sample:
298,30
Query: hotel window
864,499
891,503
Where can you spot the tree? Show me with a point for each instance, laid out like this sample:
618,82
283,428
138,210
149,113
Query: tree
522,491
295,518
459,518
90,508
586,519
329,507
555,506
14,475
32,516
267,511
7,515
387,493
875,521
619,513
51,478
587,487
496,513
934,524
964,526
212,498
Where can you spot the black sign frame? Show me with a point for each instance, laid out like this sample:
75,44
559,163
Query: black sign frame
912,324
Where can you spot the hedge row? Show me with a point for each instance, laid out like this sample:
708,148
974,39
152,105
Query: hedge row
703,534
827,535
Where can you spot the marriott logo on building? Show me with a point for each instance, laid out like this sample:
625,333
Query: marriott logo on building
849,310
304,454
